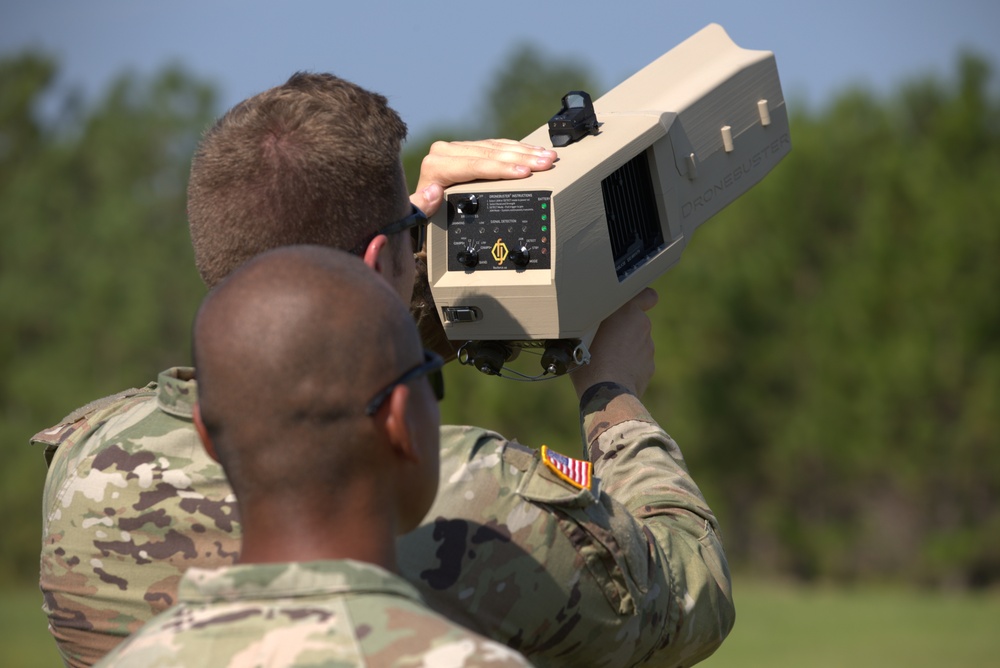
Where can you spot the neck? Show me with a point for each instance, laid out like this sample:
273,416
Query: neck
295,535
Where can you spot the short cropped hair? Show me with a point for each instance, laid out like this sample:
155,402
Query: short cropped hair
313,161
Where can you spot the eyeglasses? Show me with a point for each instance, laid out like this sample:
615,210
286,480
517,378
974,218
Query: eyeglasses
430,368
416,222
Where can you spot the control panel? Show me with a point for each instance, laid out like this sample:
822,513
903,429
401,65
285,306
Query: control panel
499,231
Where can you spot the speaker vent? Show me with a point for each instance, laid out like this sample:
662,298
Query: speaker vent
633,219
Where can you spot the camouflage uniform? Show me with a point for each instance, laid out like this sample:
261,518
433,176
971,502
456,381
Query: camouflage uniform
131,501
629,571
632,572
330,613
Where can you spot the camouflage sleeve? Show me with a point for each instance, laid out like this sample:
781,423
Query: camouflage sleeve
566,574
643,469
130,502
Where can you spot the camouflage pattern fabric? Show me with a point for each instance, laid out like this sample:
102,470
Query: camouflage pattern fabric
630,572
131,502
329,613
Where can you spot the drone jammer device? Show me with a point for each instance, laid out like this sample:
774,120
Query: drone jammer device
540,262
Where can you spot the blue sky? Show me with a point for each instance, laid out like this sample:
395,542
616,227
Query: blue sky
434,58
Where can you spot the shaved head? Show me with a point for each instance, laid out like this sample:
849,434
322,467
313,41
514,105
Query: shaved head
288,350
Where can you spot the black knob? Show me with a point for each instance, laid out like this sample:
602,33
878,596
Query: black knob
468,206
521,257
470,258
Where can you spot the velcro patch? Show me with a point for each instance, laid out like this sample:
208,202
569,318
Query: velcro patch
577,472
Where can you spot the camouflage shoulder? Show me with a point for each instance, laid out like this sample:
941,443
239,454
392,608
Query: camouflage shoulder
463,437
83,420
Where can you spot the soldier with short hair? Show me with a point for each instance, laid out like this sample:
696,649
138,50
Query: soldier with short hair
620,567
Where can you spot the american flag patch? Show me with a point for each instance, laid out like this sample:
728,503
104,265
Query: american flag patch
574,471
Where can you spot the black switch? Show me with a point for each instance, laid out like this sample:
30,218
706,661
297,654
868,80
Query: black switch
521,257
469,258
461,313
468,205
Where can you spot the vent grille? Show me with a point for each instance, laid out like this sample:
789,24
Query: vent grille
633,219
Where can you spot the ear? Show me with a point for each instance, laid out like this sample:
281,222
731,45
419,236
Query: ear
377,254
199,426
397,424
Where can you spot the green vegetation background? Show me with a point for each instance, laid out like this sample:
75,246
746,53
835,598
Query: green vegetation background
827,349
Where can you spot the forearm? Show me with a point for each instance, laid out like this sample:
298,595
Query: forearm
642,468
638,463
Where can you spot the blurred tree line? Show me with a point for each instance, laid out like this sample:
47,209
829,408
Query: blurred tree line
827,349
96,274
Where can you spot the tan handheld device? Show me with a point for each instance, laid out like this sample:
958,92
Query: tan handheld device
539,263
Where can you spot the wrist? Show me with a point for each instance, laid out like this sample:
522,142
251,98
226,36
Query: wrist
584,380
605,388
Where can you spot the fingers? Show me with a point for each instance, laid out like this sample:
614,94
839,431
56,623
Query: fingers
622,351
449,163
428,199
646,299
492,154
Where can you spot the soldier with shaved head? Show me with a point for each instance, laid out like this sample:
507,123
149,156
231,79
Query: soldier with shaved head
326,426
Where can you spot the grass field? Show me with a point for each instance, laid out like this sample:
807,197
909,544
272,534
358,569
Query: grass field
777,626
781,626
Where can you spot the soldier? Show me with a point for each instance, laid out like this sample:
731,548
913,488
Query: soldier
566,571
327,429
